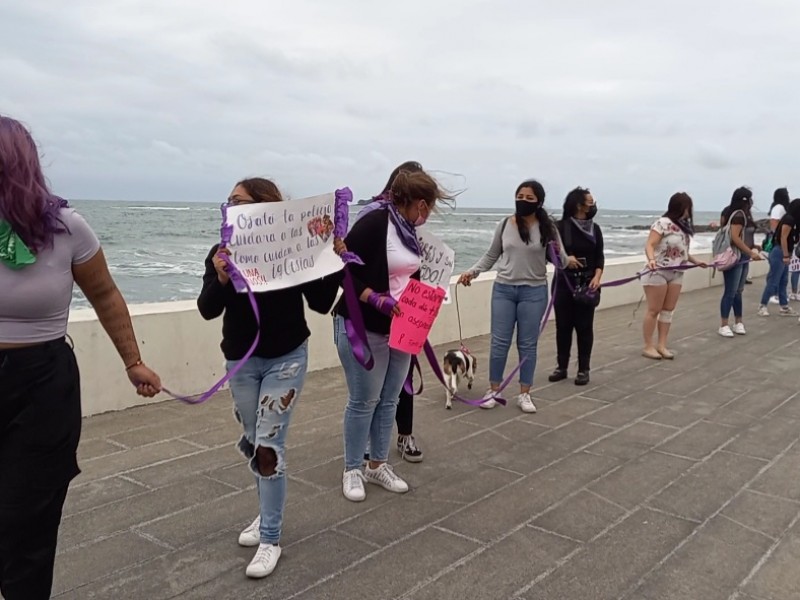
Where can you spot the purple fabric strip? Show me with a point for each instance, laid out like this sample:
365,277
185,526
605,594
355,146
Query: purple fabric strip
430,354
241,285
408,386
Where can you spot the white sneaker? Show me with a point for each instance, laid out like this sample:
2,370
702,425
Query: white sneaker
525,403
794,297
763,311
725,331
489,402
353,485
787,311
385,477
774,300
738,329
264,562
251,536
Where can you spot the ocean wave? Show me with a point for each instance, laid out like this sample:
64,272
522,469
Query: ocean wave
165,208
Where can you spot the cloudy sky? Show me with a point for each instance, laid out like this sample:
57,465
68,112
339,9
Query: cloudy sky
177,99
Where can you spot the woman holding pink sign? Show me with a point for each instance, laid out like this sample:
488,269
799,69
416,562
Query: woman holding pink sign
385,240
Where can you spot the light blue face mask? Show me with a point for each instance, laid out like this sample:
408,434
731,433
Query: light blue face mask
13,252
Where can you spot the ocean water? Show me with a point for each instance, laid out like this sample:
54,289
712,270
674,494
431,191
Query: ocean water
156,251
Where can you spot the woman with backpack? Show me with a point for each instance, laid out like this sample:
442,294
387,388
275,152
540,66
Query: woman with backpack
738,218
778,208
779,258
519,295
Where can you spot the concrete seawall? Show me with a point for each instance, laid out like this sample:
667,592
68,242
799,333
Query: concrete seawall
184,349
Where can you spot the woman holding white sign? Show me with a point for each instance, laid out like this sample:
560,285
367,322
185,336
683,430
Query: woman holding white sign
519,294
267,387
385,239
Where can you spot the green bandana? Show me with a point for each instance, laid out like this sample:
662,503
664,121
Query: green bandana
13,251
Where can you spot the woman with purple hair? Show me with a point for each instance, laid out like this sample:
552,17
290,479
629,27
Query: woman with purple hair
45,248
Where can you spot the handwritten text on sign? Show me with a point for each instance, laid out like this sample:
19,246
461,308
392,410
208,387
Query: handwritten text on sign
279,245
419,306
437,261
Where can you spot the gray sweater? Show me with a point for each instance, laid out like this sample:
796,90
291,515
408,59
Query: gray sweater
517,263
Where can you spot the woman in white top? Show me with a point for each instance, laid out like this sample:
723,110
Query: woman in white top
667,247
780,204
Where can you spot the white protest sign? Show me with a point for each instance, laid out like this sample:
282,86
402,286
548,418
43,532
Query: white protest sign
436,263
278,245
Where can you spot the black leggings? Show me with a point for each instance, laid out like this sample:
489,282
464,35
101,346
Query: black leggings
573,316
40,425
405,409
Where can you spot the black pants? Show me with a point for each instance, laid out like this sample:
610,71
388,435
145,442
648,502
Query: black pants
573,316
40,424
405,408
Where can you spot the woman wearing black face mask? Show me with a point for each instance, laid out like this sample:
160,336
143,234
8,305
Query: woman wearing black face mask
582,239
519,295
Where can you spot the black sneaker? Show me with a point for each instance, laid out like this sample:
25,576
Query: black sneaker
582,378
407,447
558,375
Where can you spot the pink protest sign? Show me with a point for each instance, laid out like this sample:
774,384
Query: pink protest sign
419,306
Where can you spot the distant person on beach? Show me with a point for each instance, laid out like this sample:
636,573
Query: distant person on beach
519,295
406,442
385,239
780,256
778,208
743,231
574,310
45,248
667,247
267,388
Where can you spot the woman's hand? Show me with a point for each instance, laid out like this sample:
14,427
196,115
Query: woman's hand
651,264
147,383
572,262
221,266
595,282
384,304
339,246
787,260
466,279
755,254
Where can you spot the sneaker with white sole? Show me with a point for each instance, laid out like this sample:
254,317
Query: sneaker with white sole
251,536
353,485
725,331
738,329
264,562
489,401
774,300
787,311
385,477
763,311
525,403
408,449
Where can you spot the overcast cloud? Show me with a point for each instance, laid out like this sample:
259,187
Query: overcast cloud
177,99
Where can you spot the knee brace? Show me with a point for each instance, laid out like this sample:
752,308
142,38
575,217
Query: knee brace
665,316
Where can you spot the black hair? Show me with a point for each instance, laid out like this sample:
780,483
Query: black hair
546,226
411,166
781,196
680,203
574,200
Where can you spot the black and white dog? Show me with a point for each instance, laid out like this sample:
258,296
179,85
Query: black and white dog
458,364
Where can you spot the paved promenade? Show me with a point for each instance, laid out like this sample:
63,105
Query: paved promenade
660,480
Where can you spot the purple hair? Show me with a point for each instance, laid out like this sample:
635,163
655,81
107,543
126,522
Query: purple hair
25,202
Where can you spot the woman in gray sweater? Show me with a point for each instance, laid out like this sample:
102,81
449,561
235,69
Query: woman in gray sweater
519,296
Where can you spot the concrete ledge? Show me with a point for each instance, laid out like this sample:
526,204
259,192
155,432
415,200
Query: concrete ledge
184,349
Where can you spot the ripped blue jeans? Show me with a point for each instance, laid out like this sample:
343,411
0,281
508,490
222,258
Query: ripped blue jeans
265,392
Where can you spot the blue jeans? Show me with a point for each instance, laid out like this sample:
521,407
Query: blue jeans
265,392
795,280
777,278
735,280
523,306
372,396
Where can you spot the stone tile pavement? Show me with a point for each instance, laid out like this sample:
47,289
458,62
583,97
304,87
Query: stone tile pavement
660,480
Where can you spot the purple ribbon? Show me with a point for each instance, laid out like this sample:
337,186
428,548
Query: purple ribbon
241,284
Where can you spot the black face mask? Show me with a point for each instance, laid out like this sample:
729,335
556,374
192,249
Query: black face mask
525,208
591,212
686,225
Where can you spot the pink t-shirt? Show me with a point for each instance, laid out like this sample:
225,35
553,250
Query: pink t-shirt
34,302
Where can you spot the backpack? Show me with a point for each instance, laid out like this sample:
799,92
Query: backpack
725,255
